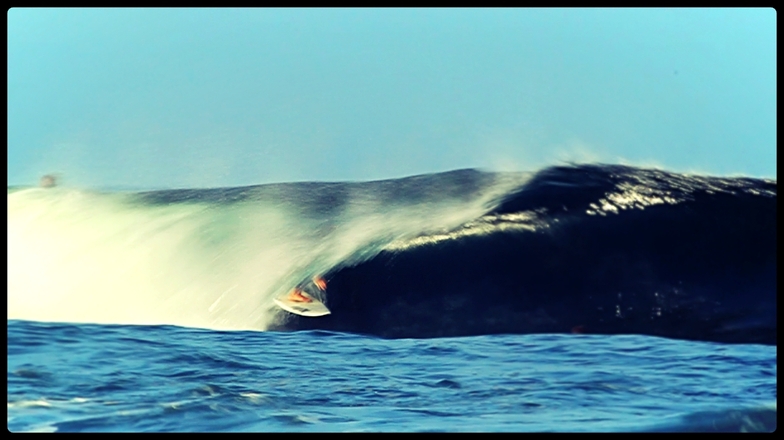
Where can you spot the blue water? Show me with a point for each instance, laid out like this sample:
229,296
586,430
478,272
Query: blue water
84,377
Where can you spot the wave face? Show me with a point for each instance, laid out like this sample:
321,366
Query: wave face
600,249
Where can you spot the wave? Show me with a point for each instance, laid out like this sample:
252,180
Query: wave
580,248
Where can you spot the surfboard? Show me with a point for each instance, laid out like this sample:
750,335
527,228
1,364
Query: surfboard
310,309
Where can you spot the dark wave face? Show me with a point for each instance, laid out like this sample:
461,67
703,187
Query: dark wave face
589,249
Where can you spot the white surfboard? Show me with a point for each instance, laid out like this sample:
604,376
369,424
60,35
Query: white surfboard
310,309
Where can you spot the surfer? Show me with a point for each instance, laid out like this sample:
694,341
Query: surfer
299,294
320,283
48,181
307,299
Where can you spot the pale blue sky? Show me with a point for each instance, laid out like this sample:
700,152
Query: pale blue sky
174,98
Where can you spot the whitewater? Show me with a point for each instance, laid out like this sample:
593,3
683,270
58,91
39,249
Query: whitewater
211,258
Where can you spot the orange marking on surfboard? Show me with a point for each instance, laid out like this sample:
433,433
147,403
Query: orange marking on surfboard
296,295
318,281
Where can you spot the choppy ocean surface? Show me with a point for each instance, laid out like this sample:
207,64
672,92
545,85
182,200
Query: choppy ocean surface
574,298
81,377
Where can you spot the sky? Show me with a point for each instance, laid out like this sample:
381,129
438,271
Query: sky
167,98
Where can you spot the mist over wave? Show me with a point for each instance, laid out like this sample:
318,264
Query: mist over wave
214,258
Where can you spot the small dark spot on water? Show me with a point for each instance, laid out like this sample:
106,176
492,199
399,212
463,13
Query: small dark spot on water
207,390
29,373
596,386
446,383
438,350
110,387
318,401
531,405
431,412
293,419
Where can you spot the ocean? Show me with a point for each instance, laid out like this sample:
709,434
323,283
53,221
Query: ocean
575,298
